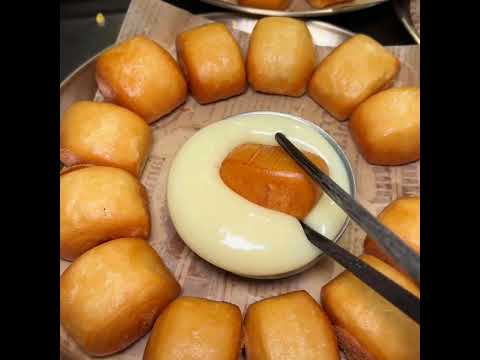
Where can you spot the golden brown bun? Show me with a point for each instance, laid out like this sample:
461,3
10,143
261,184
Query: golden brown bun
267,176
143,77
104,134
402,217
213,63
265,4
111,295
351,73
386,127
98,204
289,326
192,328
281,56
367,325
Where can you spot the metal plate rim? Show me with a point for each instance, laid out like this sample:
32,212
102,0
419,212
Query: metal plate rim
323,24
305,13
82,66
402,8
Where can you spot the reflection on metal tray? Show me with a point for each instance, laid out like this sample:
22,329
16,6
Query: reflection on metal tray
404,9
297,8
323,34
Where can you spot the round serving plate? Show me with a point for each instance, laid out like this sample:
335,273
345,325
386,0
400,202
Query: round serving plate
198,276
409,13
297,8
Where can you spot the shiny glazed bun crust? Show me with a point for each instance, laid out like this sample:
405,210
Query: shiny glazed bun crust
194,328
368,327
289,326
212,61
141,76
402,217
281,56
386,127
351,73
104,134
267,176
111,295
98,204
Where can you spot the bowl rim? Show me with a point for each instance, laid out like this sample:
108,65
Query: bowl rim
350,174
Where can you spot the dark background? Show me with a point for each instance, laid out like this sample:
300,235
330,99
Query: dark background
81,37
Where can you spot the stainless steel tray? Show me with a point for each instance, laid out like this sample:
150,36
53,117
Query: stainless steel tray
403,9
298,8
81,85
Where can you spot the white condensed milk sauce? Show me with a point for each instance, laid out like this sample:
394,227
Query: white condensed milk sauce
231,232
